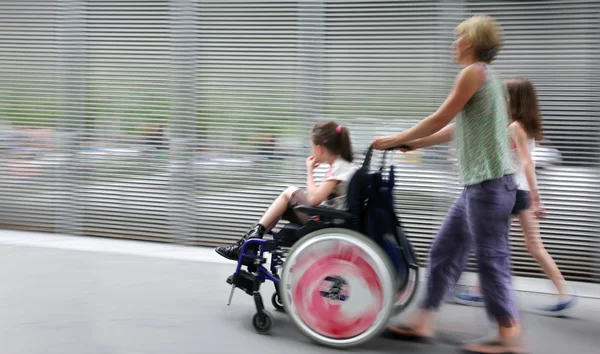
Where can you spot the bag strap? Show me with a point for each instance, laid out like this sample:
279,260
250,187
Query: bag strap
369,157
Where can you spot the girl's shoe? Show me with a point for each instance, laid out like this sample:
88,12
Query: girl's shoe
559,308
469,298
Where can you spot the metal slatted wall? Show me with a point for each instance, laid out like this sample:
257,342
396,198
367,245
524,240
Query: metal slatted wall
30,84
181,120
251,130
126,161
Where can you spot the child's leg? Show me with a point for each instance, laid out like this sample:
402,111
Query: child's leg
470,296
277,209
530,228
283,207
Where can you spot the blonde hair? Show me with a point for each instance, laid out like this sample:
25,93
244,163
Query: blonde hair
486,35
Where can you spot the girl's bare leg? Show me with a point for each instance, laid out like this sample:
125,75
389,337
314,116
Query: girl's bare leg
535,246
277,209
266,224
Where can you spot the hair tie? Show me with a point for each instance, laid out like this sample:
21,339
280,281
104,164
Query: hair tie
338,130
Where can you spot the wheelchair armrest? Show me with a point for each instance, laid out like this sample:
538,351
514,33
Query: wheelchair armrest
323,212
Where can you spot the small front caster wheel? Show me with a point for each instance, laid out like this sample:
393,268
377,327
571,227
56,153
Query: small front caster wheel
262,322
276,301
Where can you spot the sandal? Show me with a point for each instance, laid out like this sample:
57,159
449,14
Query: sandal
407,333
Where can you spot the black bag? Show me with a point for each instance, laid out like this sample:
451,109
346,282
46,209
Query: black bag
371,203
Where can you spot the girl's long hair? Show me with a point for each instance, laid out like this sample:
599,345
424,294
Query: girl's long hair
523,106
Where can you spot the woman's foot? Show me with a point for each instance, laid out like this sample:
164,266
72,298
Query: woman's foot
495,346
410,333
232,252
420,329
510,340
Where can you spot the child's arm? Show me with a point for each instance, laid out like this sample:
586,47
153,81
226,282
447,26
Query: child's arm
520,137
317,195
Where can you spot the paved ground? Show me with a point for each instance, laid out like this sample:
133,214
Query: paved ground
67,300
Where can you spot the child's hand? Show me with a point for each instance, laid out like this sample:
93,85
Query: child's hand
311,163
538,208
540,212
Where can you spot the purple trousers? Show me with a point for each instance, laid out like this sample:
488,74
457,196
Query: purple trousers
479,219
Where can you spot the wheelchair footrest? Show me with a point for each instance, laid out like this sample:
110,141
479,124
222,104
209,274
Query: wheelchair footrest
244,280
253,260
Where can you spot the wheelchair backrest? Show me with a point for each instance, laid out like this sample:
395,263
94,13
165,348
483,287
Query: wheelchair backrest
370,200
371,204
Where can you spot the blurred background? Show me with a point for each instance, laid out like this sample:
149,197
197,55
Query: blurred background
179,121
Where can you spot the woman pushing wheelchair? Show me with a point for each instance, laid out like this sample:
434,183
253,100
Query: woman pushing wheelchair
480,216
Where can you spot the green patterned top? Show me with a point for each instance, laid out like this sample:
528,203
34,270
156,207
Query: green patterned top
481,134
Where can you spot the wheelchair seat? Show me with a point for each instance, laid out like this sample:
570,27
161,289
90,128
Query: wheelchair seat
324,212
288,235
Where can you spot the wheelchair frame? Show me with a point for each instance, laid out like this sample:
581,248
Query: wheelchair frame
322,218
250,280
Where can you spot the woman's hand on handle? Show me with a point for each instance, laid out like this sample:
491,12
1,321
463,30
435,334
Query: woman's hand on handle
388,143
385,142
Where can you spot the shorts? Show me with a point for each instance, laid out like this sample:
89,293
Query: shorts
522,202
293,216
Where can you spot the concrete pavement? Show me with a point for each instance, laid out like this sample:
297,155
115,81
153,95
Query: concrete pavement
62,297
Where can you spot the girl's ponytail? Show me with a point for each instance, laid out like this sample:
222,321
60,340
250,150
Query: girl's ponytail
345,143
335,138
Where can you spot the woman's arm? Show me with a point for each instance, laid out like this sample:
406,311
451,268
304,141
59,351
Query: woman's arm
467,83
443,136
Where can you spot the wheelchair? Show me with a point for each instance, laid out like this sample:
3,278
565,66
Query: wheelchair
338,286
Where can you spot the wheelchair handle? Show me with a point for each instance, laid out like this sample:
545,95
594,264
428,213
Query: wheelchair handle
369,154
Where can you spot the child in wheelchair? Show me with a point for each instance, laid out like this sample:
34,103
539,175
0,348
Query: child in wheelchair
330,144
350,225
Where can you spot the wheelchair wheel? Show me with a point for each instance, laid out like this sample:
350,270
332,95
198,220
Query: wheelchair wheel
408,286
406,293
276,301
262,322
338,287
